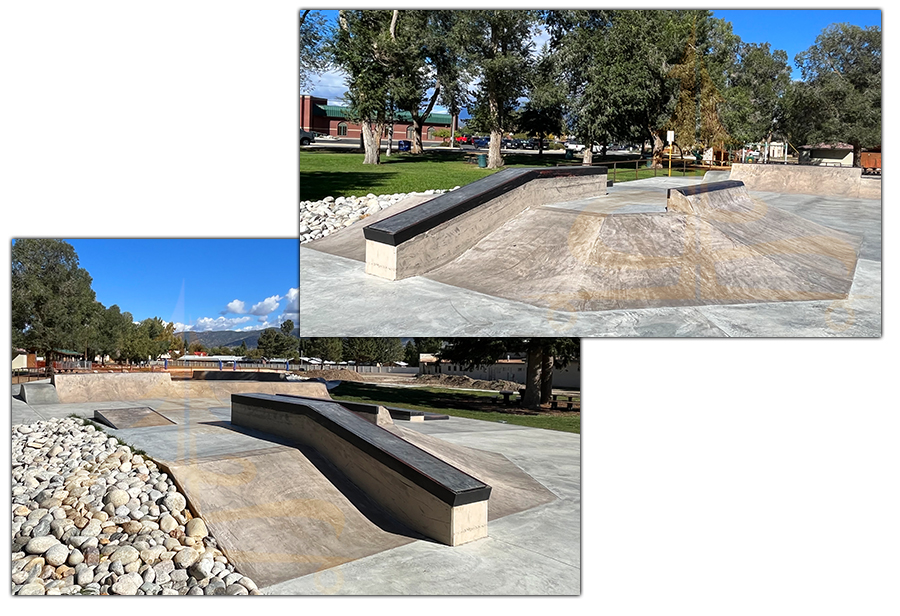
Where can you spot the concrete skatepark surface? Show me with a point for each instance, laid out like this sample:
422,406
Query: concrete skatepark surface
534,275
290,520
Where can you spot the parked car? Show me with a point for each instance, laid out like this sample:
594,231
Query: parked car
532,144
306,137
511,144
574,145
481,142
463,139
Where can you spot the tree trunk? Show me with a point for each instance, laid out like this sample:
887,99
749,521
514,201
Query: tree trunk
390,136
371,136
540,144
546,377
588,156
658,147
495,160
416,147
532,397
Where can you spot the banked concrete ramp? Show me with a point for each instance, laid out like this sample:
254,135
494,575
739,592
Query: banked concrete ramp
714,245
107,387
806,179
282,512
38,393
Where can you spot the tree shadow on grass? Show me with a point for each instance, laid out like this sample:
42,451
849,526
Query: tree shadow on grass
415,397
316,185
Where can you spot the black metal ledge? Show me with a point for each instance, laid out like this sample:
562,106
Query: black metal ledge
699,189
372,409
406,225
432,474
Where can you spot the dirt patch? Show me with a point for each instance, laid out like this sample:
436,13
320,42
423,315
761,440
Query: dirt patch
446,380
340,374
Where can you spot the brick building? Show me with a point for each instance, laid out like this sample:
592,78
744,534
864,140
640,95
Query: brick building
317,116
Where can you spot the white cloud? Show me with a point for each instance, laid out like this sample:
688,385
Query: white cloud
206,324
267,306
235,307
293,300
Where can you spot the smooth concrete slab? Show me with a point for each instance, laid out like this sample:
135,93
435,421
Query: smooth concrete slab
134,417
21,413
731,251
236,479
338,299
537,551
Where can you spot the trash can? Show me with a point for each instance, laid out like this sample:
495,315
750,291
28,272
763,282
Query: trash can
569,154
482,160
404,145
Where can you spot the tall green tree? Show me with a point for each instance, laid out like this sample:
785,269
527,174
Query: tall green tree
411,353
114,328
617,67
274,343
839,97
542,114
312,35
429,64
499,46
542,356
329,349
388,350
362,47
360,350
52,300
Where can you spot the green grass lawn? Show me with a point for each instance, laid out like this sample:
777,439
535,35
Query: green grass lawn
450,402
342,174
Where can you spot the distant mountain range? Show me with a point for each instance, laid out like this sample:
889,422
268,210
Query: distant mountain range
229,338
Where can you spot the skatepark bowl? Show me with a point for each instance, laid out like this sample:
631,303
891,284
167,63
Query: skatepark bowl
307,495
757,250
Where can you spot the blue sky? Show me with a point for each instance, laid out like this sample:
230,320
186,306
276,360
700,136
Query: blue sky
790,30
199,284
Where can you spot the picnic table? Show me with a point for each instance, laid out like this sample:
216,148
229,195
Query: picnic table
507,397
555,400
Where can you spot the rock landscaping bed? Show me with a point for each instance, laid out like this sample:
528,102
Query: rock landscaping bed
320,218
91,516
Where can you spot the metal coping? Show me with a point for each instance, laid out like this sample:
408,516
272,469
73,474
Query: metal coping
429,472
356,407
406,225
699,189
363,407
